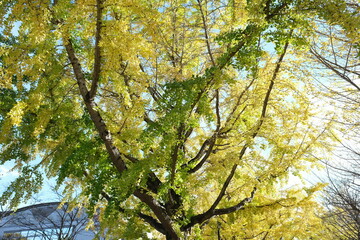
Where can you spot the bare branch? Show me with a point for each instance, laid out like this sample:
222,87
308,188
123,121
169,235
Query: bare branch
330,66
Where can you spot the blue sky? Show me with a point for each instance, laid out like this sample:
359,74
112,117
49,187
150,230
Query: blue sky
7,175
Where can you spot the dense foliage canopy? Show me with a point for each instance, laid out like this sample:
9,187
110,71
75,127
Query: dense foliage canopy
181,118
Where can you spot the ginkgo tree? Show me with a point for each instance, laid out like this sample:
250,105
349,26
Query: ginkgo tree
182,118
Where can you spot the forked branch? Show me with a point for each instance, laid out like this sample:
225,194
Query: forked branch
212,210
198,219
91,107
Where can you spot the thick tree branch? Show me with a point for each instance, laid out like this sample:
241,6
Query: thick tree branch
200,153
110,147
150,220
159,212
97,56
211,143
91,107
153,182
154,94
225,185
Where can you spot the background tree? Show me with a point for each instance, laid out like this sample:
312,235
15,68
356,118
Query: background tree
337,54
50,220
60,223
185,117
342,199
47,221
